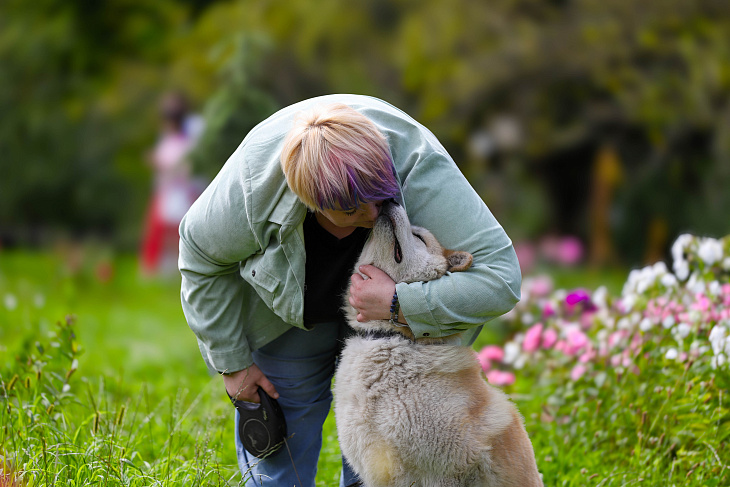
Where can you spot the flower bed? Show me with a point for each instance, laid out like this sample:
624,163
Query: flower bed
659,350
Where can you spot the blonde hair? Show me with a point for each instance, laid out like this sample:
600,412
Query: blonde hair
334,157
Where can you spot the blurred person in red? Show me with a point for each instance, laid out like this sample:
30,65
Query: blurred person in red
174,188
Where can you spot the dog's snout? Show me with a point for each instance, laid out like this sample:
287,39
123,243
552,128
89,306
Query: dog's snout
388,204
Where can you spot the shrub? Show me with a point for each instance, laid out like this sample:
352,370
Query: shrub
630,387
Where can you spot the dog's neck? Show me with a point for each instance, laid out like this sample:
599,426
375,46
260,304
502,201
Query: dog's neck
384,329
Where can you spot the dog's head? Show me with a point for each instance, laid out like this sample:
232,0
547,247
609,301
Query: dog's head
407,253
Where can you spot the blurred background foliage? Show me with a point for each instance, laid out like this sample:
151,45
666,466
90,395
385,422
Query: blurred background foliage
608,121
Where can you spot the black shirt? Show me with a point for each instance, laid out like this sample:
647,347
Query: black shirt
329,265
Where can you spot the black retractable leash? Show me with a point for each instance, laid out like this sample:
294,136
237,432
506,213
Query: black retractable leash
262,427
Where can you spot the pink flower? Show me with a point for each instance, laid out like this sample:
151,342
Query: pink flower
541,286
549,338
526,256
488,354
532,338
547,310
626,359
615,338
702,303
576,340
616,360
726,289
500,378
566,250
587,356
586,319
570,251
493,352
636,341
577,372
577,296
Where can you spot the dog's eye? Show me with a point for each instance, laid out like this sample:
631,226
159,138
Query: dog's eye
419,238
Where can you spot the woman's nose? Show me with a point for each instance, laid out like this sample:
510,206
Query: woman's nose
373,210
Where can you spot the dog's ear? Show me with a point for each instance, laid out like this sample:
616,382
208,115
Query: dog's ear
459,260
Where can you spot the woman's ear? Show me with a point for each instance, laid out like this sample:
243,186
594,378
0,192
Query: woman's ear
459,260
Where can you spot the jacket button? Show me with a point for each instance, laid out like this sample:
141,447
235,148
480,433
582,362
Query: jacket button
253,273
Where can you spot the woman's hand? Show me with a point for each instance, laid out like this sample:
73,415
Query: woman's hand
372,297
244,384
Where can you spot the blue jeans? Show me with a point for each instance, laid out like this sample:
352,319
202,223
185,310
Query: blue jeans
300,364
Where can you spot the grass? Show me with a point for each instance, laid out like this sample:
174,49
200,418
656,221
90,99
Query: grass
140,407
101,383
109,388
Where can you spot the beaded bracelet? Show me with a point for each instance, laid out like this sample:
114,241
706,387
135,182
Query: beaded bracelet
394,309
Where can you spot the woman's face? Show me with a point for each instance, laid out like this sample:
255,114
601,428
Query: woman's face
362,216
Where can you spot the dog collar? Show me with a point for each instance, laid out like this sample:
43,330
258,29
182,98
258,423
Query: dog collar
379,334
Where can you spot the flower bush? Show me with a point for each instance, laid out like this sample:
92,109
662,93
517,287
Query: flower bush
657,356
685,315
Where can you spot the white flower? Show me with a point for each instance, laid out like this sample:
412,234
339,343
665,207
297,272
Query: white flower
527,318
718,361
683,330
520,362
668,322
726,264
623,324
714,288
610,322
634,318
645,325
710,251
718,336
672,354
659,268
695,284
599,297
679,246
628,302
511,352
644,282
668,280
11,302
695,316
681,269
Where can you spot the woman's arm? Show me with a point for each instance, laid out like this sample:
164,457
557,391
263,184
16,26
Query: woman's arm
439,198
215,237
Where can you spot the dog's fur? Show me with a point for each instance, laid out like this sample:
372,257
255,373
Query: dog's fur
418,413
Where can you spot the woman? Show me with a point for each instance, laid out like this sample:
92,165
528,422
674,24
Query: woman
267,252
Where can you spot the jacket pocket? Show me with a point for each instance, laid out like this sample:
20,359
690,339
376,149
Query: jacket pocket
259,272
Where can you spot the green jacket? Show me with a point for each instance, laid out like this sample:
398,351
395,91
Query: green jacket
242,246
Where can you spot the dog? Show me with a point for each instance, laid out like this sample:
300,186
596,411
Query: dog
418,412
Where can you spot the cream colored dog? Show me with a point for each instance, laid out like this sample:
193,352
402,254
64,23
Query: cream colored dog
419,413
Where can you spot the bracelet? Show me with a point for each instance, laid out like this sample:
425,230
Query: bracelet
394,309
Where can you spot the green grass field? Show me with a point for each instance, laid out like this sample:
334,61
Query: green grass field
101,383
